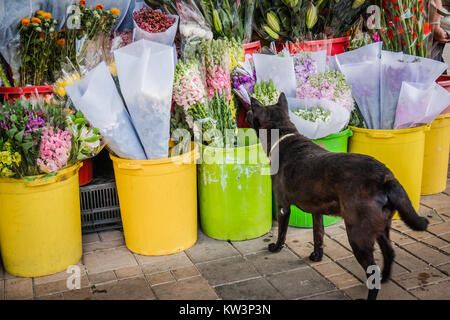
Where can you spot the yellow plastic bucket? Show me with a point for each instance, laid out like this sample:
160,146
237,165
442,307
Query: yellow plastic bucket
158,203
40,223
435,163
400,150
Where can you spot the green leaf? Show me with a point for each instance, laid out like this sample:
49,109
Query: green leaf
92,139
19,136
27,146
12,132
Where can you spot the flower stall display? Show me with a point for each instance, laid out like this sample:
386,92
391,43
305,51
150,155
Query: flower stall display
266,93
154,25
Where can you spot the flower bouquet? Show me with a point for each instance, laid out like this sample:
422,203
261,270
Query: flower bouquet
154,25
39,136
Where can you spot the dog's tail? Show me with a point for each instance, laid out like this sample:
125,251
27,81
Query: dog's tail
400,201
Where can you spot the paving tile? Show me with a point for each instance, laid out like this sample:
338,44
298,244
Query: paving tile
2,289
419,235
128,289
185,272
153,264
90,237
111,235
436,242
128,272
446,249
352,265
388,291
400,238
2,271
445,236
56,296
268,263
101,277
195,288
255,245
334,295
334,250
344,281
299,237
111,259
333,231
227,270
207,249
300,283
102,245
433,215
436,201
408,261
63,275
428,254
302,249
420,278
439,291
445,269
343,240
19,289
399,225
440,229
254,289
329,269
80,294
159,278
48,288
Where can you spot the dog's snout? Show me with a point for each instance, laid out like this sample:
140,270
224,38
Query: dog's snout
249,118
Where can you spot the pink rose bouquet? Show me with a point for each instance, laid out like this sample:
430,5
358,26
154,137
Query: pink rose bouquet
54,150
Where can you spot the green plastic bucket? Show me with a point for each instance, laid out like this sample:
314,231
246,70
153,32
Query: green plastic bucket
337,142
235,190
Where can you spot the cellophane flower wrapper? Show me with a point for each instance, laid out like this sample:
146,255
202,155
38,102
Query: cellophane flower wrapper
397,68
361,68
193,27
278,69
96,96
146,72
340,116
420,104
167,37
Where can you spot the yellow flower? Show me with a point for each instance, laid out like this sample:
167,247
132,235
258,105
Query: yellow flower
47,15
232,107
17,158
5,157
6,172
61,91
40,13
25,22
113,69
115,11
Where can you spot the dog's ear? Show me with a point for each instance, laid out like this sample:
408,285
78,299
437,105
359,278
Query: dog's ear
282,101
255,104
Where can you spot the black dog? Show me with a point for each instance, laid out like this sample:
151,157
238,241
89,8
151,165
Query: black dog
356,187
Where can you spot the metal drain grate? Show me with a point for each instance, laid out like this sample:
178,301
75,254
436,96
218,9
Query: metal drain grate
99,207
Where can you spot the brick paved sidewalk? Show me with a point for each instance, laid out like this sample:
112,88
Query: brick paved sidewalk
215,269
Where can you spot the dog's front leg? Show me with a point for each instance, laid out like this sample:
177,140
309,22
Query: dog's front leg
283,221
318,231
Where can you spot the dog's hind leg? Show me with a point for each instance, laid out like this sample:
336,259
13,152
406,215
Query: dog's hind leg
318,231
388,254
363,248
284,213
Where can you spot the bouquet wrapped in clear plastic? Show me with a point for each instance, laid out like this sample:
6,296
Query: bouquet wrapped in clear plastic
338,119
419,104
278,69
146,72
96,96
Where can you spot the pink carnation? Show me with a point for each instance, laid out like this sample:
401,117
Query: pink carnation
54,149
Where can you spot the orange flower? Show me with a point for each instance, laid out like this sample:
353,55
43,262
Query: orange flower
99,6
47,15
82,3
426,28
55,35
40,12
25,22
115,11
36,20
41,36
61,42
90,7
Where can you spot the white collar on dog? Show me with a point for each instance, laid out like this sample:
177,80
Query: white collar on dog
279,141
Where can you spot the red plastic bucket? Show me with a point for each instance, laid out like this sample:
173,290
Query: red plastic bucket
11,93
252,47
332,46
86,173
444,81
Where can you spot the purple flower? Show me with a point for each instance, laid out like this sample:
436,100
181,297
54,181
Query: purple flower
304,67
34,122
